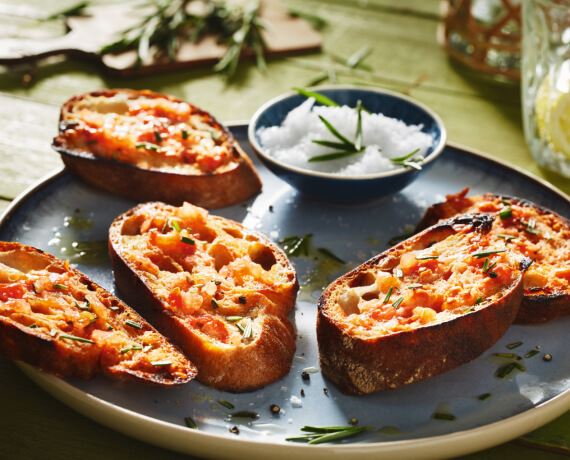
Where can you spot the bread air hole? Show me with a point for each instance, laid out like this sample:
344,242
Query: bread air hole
262,255
221,254
363,279
233,232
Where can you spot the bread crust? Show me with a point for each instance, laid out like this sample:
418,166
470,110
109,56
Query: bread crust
546,242
194,297
369,340
55,318
149,146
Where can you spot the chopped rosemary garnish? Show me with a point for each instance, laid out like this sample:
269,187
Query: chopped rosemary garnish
77,339
161,363
531,228
506,237
244,414
214,304
507,369
484,396
85,307
225,403
319,435
190,423
175,225
506,355
33,325
91,321
295,246
60,286
147,146
514,345
131,348
247,329
487,265
397,302
233,319
187,240
478,300
388,295
481,254
426,257
185,134
506,213
413,287
157,136
443,416
134,324
531,353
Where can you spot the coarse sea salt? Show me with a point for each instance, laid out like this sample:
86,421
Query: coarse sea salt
384,137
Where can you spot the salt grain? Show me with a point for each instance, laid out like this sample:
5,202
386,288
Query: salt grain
384,137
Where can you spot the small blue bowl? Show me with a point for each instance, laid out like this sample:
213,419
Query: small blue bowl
344,188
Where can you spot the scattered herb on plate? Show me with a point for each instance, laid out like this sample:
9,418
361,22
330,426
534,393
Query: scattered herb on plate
319,435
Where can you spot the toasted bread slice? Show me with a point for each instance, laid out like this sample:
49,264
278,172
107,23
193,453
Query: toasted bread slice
218,289
56,318
429,304
536,232
150,146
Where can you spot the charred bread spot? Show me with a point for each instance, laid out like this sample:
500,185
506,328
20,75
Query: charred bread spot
534,231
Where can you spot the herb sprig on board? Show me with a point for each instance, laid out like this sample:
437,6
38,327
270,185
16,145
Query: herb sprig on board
162,31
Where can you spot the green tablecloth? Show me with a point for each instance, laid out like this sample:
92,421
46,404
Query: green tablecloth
405,57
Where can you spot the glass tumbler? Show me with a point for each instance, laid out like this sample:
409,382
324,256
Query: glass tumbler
545,85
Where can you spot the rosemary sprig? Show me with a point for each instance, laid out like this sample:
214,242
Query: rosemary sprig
319,435
346,148
241,29
161,32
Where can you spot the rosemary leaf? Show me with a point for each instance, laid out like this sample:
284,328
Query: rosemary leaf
355,59
321,99
336,145
333,156
334,131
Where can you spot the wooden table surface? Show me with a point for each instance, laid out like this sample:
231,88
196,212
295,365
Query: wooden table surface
405,57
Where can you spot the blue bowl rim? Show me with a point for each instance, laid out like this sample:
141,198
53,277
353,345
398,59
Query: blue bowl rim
400,171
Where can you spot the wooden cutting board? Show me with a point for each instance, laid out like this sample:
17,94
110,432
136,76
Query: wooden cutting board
285,35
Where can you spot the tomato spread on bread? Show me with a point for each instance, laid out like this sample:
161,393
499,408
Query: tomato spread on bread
54,317
220,290
149,130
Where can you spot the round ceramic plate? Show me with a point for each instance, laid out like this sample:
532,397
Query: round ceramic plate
480,409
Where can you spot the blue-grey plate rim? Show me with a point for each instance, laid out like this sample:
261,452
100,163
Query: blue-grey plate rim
173,435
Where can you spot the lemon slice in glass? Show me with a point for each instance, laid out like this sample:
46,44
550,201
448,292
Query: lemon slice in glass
542,109
560,124
552,112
